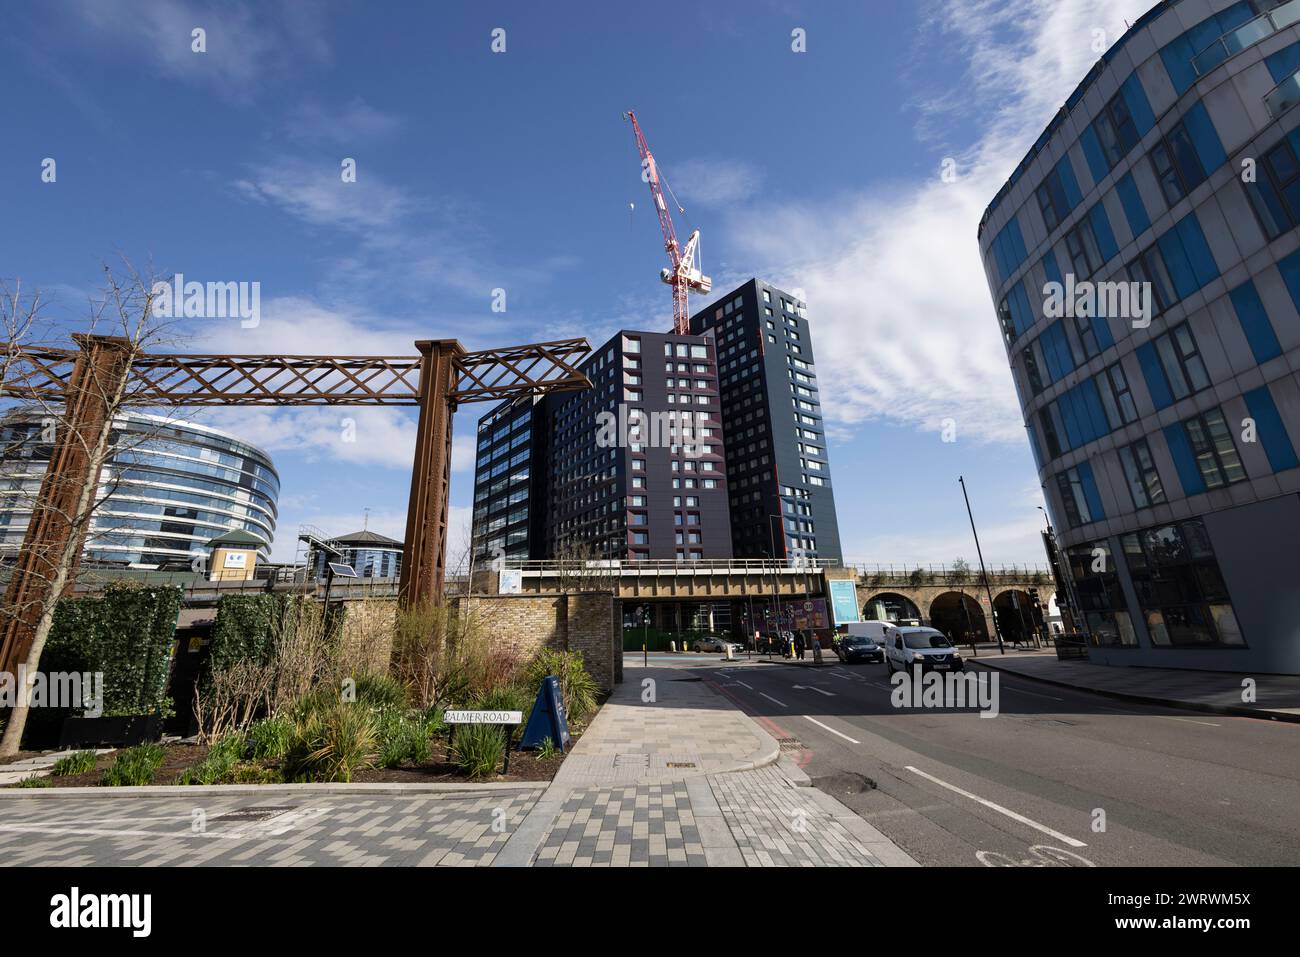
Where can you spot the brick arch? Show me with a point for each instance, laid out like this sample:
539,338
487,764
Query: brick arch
958,615
896,599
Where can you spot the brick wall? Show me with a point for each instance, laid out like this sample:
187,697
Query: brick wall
524,624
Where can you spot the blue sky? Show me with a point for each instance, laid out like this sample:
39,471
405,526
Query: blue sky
819,171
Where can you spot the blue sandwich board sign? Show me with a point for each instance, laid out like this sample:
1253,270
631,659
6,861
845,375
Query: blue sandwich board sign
548,719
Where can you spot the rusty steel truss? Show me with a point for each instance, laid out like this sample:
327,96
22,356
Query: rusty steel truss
440,378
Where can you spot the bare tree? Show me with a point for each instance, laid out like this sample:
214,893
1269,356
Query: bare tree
82,420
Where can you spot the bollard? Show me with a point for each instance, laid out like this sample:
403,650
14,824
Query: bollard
672,647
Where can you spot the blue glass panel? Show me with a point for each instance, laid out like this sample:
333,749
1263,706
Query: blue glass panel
1254,322
1271,430
1180,448
1134,209
1154,374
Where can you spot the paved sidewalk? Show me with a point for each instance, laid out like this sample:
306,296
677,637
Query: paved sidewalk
686,729
687,780
1219,692
275,828
38,766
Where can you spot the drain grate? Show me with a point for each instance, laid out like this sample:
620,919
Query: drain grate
790,744
681,764
253,813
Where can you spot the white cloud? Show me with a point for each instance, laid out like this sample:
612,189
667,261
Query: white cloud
354,123
244,45
316,193
898,301
715,181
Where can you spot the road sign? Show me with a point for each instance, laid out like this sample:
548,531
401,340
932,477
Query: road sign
483,717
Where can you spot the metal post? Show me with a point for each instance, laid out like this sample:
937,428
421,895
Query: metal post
98,372
987,588
424,553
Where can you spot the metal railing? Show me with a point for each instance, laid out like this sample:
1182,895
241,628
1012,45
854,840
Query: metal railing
1283,96
595,567
916,576
1246,35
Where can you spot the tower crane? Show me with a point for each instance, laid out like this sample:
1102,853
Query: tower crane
682,273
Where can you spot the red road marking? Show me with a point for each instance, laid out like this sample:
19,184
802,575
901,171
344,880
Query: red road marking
805,754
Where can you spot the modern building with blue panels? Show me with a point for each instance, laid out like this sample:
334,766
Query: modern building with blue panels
1166,436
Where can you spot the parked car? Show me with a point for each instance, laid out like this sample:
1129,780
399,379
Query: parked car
928,647
854,648
714,643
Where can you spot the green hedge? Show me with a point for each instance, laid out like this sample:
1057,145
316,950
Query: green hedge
246,628
127,634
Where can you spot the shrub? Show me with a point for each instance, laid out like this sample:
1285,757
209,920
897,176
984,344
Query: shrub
577,687
79,762
506,698
134,767
380,691
269,738
546,749
35,782
218,763
432,719
330,743
250,772
403,739
478,749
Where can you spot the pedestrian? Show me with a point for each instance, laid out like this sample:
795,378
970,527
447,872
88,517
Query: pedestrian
799,645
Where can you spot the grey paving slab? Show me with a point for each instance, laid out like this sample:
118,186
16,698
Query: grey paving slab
343,830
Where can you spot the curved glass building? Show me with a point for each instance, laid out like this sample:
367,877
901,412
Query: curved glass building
169,488
1144,260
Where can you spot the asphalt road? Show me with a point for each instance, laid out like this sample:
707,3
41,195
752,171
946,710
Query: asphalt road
1029,787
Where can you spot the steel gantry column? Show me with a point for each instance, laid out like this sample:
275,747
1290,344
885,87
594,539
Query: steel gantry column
59,520
424,557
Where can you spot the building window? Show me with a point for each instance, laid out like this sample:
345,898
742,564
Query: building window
1096,582
1179,587
1141,474
1079,495
1212,445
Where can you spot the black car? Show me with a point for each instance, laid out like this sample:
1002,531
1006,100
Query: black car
852,648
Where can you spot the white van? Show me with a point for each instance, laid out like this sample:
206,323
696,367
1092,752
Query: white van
877,631
927,647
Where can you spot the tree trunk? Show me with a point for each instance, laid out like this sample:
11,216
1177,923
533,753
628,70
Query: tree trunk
13,736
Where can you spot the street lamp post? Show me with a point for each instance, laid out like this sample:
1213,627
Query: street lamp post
776,578
987,587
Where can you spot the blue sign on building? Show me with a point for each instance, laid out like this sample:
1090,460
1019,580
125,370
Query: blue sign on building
844,601
548,719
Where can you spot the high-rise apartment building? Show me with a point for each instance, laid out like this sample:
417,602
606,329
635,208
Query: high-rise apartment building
781,498
1145,264
631,469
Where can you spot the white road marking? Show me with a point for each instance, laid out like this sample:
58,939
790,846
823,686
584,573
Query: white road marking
829,694
773,700
743,685
1172,717
999,808
827,727
836,674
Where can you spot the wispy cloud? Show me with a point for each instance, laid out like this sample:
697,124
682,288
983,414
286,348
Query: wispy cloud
715,181
316,193
354,124
898,300
244,45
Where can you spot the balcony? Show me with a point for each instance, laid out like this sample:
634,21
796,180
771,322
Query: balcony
1246,35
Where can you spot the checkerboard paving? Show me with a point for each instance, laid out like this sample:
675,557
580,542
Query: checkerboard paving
284,829
637,826
752,818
